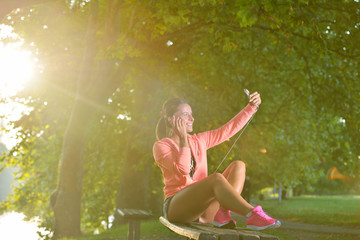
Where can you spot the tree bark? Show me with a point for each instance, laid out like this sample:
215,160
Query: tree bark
66,200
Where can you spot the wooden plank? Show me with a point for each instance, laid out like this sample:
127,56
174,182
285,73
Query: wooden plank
197,230
222,233
189,232
227,233
128,213
261,235
264,236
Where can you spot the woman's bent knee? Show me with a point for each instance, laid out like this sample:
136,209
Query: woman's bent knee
217,178
239,165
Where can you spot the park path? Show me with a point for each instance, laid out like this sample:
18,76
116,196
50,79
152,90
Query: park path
306,231
319,228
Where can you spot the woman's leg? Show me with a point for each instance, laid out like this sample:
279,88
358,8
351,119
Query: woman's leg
235,175
191,202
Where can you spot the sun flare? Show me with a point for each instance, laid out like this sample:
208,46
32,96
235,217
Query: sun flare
16,68
11,222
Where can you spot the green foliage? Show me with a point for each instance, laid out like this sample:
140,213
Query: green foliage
302,56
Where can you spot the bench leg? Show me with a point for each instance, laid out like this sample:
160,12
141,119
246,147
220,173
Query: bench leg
134,230
137,230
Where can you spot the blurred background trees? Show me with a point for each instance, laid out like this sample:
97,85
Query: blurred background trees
105,67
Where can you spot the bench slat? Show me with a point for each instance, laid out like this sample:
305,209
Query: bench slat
263,236
189,232
227,233
243,233
222,235
128,213
207,231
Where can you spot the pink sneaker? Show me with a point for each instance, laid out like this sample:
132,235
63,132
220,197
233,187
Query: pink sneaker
223,219
259,220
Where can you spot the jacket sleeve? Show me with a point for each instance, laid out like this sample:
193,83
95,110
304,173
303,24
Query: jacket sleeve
168,158
217,136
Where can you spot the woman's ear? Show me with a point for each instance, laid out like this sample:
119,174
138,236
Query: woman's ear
171,120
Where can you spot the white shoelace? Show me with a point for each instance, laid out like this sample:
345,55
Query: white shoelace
236,141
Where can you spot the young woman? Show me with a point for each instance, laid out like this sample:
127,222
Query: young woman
191,194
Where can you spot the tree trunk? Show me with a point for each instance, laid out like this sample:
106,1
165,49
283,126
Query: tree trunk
135,181
94,86
135,176
66,200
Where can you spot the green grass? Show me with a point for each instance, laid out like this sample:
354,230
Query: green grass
152,229
329,210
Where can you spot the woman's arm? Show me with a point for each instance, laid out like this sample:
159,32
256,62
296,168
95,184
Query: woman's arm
217,136
169,158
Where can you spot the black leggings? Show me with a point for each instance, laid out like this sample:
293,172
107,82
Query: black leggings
166,206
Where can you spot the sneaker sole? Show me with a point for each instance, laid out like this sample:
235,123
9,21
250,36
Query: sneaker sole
228,225
271,226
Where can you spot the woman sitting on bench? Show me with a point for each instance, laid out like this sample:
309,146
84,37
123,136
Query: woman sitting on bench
191,194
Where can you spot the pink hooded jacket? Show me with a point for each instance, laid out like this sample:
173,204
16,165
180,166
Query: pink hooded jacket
174,162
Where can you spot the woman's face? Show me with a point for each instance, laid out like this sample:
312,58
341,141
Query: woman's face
185,113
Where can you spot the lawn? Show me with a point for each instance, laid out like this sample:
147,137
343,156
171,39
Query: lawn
329,210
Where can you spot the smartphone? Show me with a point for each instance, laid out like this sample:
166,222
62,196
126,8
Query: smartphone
247,92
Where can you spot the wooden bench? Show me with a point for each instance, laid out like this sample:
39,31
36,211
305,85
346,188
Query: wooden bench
134,217
198,231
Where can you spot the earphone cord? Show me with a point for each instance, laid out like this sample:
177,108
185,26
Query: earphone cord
235,142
